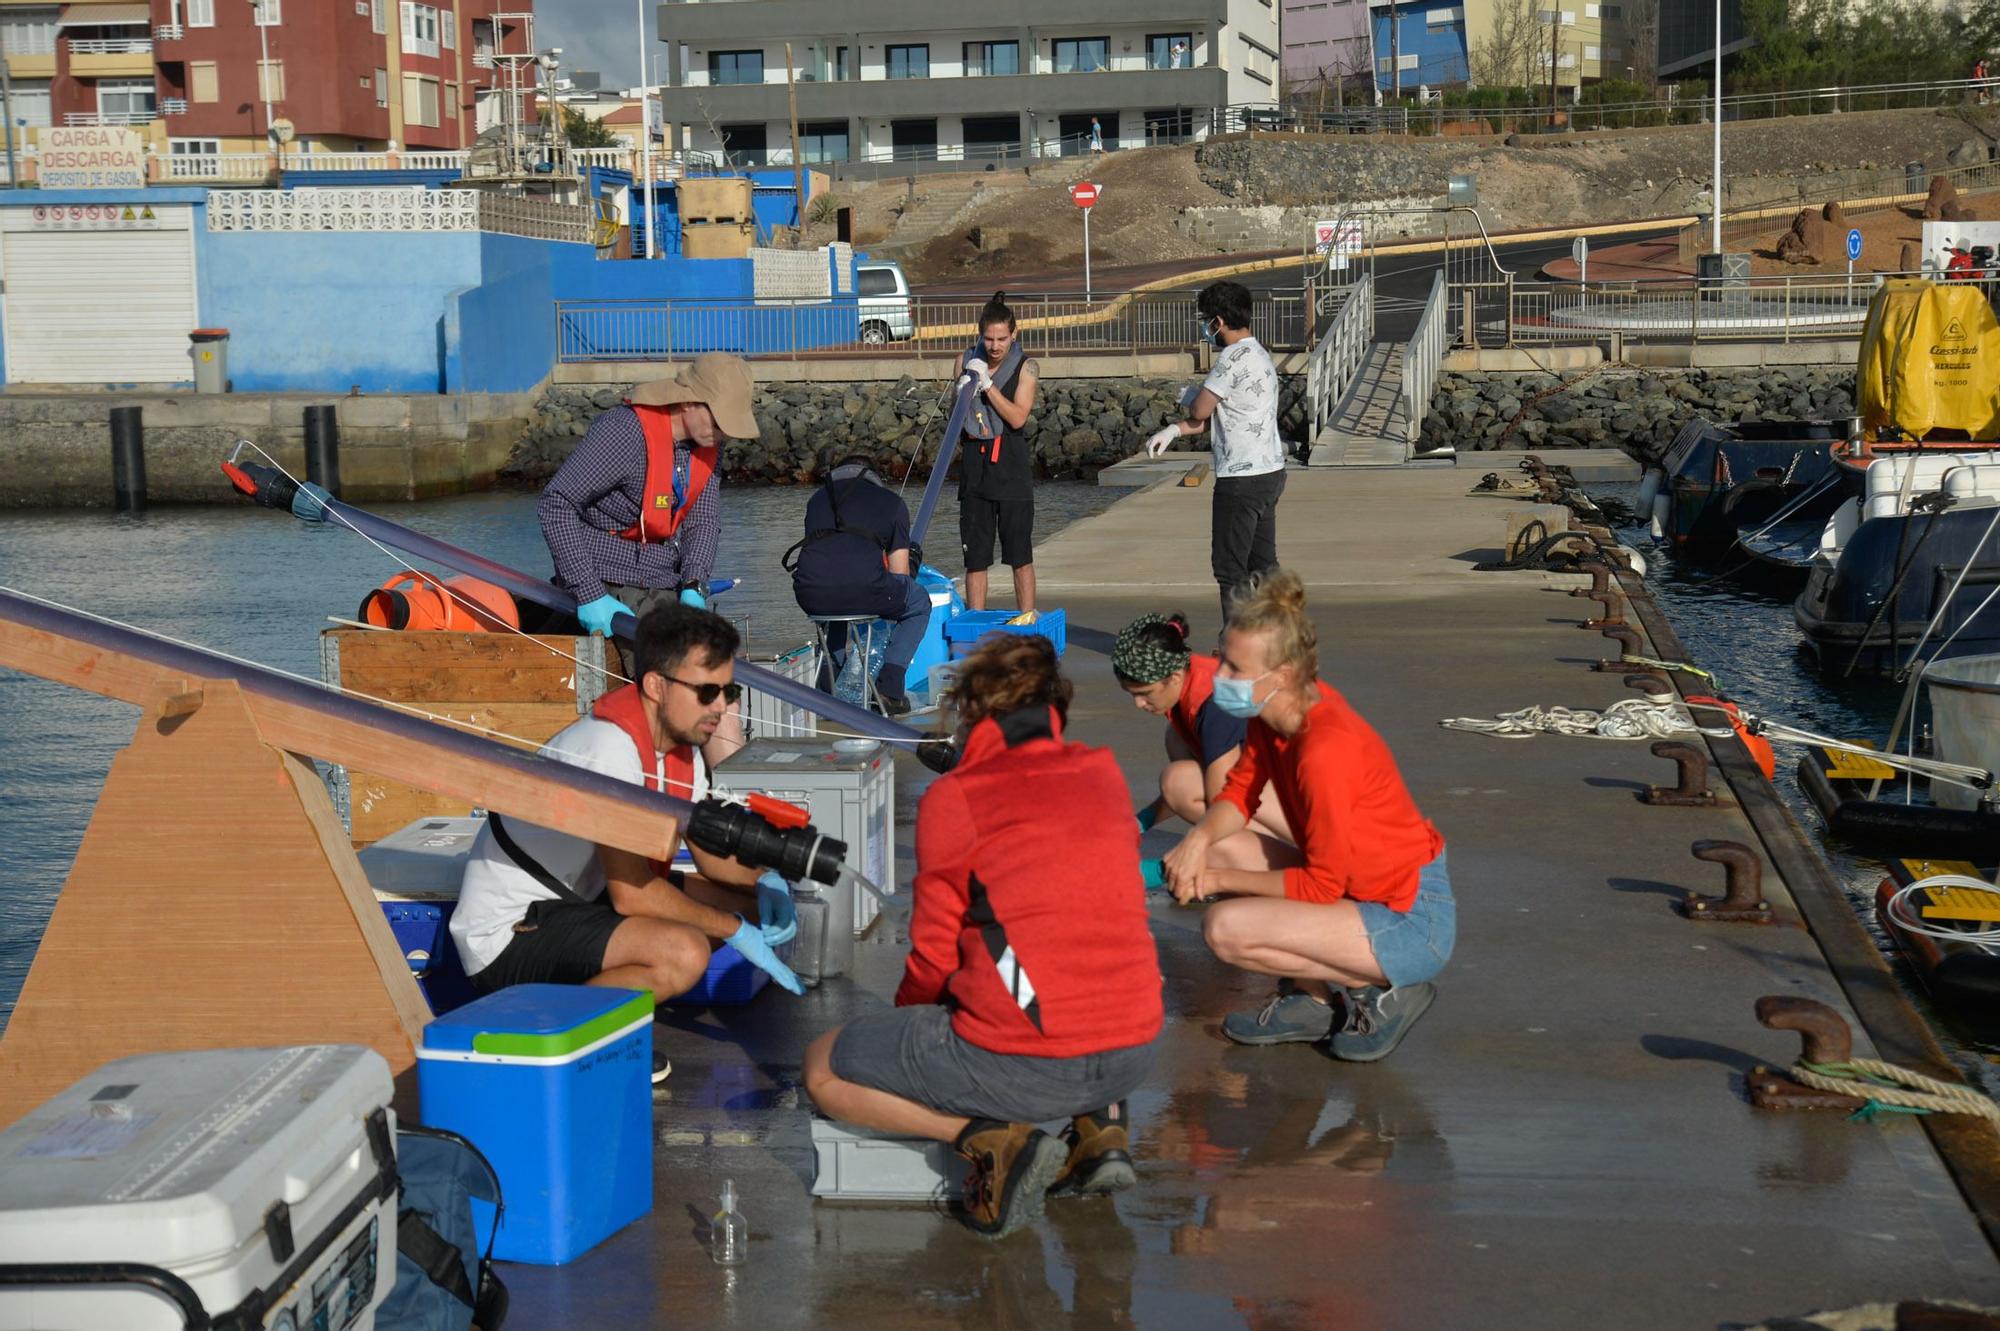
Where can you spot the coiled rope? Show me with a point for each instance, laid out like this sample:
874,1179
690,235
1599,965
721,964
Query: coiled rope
1631,718
1887,1087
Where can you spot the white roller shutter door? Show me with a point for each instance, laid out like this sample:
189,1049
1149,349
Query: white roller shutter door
98,306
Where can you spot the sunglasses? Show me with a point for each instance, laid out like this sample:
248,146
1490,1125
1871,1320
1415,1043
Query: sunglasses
708,693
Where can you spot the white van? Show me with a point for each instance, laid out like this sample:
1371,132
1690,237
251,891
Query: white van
885,302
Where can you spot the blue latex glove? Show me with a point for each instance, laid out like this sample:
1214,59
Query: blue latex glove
1147,817
689,596
776,916
748,940
597,616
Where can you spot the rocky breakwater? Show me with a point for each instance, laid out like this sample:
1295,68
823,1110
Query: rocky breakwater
1634,409
1078,427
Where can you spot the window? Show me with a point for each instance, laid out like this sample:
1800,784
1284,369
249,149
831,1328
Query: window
840,73
363,7
906,62
451,101
823,141
202,86
420,29
447,22
1610,13
1409,62
1592,53
735,66
744,145
1170,50
994,58
128,100
1443,18
1081,55
378,19
31,102
201,13
28,31
267,13
875,282
271,80
381,87
194,147
420,100
1614,53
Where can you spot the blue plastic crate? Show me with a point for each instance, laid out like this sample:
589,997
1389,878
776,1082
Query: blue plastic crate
730,982
423,932
963,632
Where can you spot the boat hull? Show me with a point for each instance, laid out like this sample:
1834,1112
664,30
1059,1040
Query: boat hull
1867,610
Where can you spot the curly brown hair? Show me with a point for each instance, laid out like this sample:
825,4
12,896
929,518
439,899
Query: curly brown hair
1008,671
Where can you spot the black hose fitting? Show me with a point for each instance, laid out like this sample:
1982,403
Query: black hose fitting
736,832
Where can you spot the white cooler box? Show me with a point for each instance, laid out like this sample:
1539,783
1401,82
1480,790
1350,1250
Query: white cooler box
170,1190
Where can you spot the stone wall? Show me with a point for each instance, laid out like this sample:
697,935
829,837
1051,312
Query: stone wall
1637,410
1231,230
1078,427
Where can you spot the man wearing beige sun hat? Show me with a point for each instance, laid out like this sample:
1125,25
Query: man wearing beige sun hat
633,516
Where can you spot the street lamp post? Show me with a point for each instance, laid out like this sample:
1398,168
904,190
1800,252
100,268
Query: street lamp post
645,136
1715,173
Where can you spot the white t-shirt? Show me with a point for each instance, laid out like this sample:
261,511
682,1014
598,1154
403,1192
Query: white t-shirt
496,892
1243,429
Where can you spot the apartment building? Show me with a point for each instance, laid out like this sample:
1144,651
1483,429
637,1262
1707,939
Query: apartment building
1327,43
893,80
336,75
1445,43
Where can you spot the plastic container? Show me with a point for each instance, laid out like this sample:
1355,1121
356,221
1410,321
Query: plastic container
730,980
862,1165
946,604
415,872
851,797
964,632
1965,711
241,1172
768,716
208,348
554,1084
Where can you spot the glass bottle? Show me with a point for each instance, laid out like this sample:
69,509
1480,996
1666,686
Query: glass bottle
728,1232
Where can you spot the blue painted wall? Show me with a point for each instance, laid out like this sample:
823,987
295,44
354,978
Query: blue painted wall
1439,48
326,310
502,331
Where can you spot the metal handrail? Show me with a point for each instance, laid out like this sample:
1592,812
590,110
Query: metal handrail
895,326
1423,359
1337,356
1776,308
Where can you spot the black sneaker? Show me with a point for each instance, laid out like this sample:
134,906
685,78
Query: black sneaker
662,1067
894,704
1289,1016
1377,1021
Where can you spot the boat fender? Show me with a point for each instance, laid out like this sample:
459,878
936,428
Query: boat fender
424,602
1663,508
1649,488
1638,560
1760,748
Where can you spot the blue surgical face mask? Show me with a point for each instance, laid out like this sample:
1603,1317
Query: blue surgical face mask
1208,333
1236,697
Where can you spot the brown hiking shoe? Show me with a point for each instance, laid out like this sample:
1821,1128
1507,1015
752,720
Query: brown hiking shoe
1099,1161
1012,1167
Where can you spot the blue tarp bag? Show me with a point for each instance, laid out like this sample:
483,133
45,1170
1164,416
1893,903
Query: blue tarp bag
444,1282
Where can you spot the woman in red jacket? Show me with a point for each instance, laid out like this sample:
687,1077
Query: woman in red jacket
1154,665
1355,919
1032,990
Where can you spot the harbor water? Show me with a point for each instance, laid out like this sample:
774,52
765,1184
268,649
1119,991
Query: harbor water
261,586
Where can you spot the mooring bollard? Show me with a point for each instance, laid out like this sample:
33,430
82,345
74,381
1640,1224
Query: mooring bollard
1600,577
1613,613
1628,646
128,460
1690,790
1742,900
1826,1039
1653,685
323,448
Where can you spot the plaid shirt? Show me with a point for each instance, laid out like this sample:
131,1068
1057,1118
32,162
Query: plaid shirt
598,492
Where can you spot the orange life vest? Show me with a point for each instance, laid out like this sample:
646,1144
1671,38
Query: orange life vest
1183,715
626,709
660,509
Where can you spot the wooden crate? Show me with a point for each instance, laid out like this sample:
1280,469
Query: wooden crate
525,687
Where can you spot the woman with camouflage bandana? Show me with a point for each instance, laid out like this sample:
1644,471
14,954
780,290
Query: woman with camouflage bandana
1154,664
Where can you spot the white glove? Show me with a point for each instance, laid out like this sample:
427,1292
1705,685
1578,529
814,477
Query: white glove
983,370
1162,439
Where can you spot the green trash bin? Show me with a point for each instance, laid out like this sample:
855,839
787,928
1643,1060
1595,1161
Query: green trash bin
209,349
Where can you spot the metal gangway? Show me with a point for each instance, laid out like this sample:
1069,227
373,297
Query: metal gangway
1367,394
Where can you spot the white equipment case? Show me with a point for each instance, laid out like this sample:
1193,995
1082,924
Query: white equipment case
246,1188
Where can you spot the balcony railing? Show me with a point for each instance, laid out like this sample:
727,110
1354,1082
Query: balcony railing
111,46
108,117
168,32
173,106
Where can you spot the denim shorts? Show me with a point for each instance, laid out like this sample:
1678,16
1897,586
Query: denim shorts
914,1053
1413,945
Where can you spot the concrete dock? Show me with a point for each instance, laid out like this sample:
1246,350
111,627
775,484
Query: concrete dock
1564,1141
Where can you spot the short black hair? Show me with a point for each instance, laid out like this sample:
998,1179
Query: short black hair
669,634
1227,301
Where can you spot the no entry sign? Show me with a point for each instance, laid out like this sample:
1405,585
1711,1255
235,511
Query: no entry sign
1083,193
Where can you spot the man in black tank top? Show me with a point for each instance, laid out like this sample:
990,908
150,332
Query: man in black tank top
996,492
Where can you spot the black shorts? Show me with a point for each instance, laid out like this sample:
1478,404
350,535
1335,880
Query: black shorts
979,520
556,942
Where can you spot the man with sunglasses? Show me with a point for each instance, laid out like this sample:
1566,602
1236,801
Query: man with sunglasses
541,905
